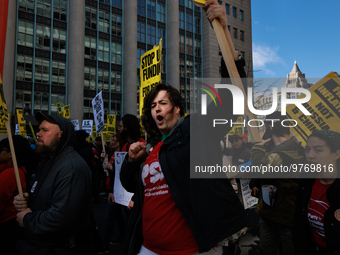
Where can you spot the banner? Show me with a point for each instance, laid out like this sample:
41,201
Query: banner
98,112
3,29
150,72
324,107
60,111
66,112
111,124
21,123
75,124
87,126
120,194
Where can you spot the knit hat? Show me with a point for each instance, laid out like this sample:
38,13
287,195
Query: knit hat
245,136
332,137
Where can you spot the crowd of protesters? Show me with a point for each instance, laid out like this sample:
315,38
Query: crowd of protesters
168,211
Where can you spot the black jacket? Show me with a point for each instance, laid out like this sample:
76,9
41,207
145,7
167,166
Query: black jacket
331,223
60,198
210,206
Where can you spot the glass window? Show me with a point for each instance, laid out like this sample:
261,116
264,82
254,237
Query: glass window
25,33
161,12
197,48
151,9
141,32
151,35
227,8
197,25
141,7
242,35
161,34
235,33
189,22
241,15
181,44
116,3
24,68
234,12
189,45
90,17
59,40
26,5
181,20
116,24
42,70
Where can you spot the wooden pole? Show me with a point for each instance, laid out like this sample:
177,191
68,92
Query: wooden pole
14,159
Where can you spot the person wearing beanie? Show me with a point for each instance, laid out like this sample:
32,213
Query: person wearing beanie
245,141
317,228
55,213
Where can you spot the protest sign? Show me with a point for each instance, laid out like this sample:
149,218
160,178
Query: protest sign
94,132
150,72
324,107
98,112
3,108
248,199
66,111
120,194
237,128
32,131
4,116
75,124
87,126
111,124
21,123
60,111
3,127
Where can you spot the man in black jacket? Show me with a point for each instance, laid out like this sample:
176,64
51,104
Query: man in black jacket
56,213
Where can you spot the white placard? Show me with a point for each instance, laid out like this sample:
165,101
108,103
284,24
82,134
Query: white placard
75,124
248,199
98,112
17,131
87,126
120,194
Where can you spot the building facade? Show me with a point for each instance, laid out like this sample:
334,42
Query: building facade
295,79
69,50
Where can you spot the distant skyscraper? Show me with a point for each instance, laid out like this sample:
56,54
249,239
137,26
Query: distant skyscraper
67,51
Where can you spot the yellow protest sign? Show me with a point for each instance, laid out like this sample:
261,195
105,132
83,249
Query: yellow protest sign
66,112
32,131
3,108
60,111
324,107
150,72
94,132
21,122
111,124
237,129
3,129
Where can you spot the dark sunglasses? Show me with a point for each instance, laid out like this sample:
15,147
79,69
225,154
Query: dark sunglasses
234,141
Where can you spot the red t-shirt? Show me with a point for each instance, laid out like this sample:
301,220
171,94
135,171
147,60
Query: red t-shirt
127,145
108,178
318,205
165,230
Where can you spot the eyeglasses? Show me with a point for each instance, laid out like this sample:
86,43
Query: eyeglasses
234,141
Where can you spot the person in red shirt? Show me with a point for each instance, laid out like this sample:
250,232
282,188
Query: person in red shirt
318,204
9,189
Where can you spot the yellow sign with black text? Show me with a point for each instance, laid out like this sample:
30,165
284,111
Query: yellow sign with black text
21,122
237,128
324,107
3,129
60,111
66,111
111,124
150,72
3,108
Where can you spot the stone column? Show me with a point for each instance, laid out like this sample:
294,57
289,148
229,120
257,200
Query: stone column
75,84
130,58
9,64
173,43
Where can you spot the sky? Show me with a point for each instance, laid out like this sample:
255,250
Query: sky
305,31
